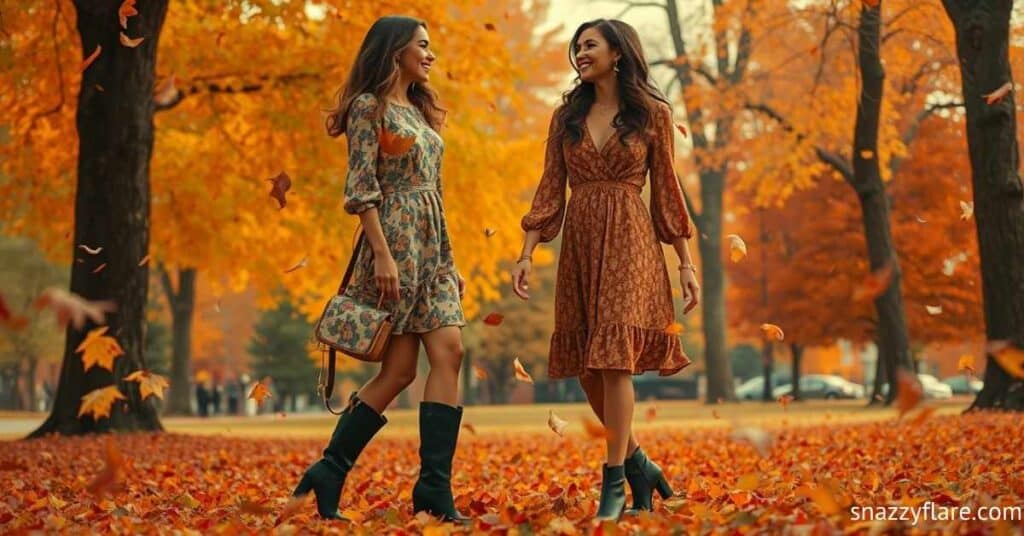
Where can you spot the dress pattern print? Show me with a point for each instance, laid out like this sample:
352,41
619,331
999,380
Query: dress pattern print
613,296
406,190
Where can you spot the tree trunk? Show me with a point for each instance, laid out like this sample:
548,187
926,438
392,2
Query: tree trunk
30,380
768,361
881,378
797,352
982,44
112,203
894,345
182,303
709,240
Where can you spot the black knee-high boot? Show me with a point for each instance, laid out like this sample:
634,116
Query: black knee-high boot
439,434
644,477
357,424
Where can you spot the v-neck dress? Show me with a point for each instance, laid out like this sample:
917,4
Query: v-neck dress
613,296
406,189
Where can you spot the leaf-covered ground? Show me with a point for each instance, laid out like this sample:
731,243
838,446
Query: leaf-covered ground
540,482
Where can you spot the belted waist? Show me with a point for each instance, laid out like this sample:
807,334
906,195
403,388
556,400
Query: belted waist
620,185
407,189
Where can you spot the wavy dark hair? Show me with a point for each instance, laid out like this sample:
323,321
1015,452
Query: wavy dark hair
376,72
636,90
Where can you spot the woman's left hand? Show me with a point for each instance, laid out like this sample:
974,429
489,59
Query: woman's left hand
691,289
462,285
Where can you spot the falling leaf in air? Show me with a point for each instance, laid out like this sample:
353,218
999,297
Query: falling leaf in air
674,328
99,402
784,401
480,372
1009,357
682,130
129,42
92,57
9,319
922,415
126,10
521,373
166,92
998,94
99,349
651,413
737,248
933,309
301,264
489,26
556,423
149,383
874,284
469,427
488,232
966,210
920,219
393,144
966,364
144,260
867,154
89,250
259,392
715,415
819,495
909,391
281,184
69,306
99,268
757,437
110,475
493,319
594,429
771,331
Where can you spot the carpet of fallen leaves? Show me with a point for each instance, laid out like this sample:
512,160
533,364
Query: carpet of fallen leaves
801,480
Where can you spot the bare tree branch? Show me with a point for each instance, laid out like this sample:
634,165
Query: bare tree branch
60,69
631,5
915,125
837,162
266,81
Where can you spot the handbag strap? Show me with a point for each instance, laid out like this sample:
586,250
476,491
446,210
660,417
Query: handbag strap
332,354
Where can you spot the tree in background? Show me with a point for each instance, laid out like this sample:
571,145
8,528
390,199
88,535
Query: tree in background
983,46
282,349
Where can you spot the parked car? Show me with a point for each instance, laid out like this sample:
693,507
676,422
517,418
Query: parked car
964,384
933,388
825,386
753,389
651,385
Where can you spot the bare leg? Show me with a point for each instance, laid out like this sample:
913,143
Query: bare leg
618,413
397,371
593,386
444,350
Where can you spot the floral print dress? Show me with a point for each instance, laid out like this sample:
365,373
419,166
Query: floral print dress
406,190
613,297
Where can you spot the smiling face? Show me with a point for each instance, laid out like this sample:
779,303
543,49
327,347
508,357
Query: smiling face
416,59
595,58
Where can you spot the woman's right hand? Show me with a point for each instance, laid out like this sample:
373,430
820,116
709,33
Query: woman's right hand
385,271
520,278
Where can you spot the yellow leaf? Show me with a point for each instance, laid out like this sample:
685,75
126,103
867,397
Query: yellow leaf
867,154
674,329
821,497
771,331
737,248
933,309
99,402
966,363
556,423
99,349
149,383
521,373
748,482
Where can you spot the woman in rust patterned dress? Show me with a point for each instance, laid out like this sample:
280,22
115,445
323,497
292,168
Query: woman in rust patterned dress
613,297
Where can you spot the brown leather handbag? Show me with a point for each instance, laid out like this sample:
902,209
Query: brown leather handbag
351,327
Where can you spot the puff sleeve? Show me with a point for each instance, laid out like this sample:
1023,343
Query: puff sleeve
668,208
548,208
362,190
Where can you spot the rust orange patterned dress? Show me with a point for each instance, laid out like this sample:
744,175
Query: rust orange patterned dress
613,297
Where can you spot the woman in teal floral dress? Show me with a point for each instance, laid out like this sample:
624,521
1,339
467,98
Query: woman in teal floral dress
391,120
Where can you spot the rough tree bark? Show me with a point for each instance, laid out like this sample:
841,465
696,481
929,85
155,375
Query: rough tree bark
112,203
797,352
982,44
182,303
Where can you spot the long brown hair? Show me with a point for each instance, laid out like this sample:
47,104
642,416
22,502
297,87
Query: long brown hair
637,92
376,72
